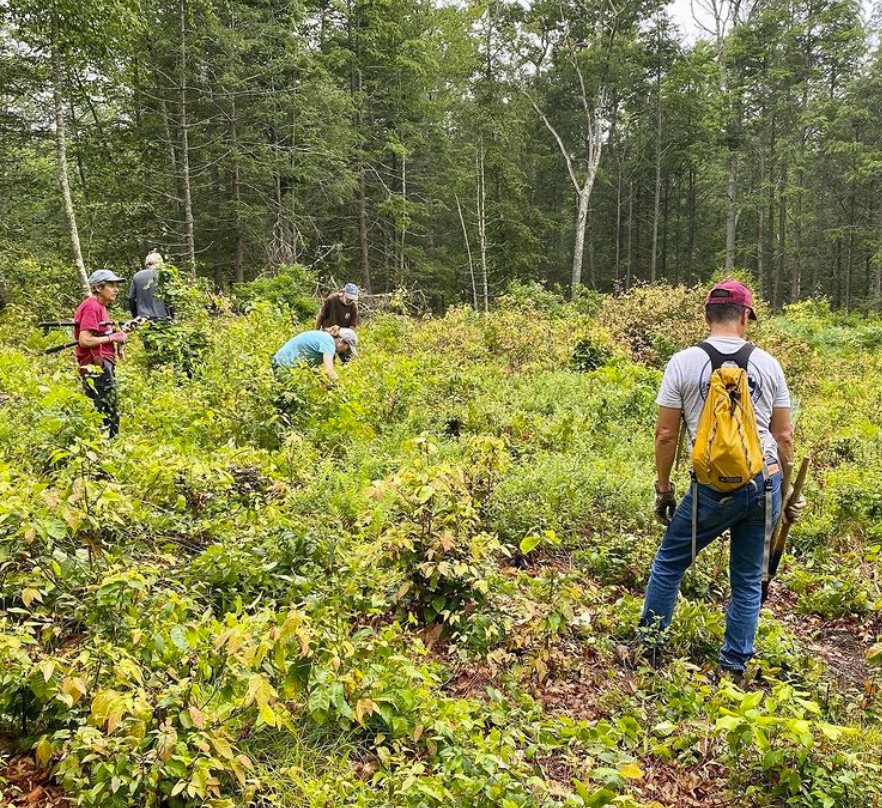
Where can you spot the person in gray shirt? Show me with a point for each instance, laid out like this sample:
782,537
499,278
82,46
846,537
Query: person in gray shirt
142,299
704,514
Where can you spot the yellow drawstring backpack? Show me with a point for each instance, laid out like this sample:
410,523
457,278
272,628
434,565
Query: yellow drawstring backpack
727,452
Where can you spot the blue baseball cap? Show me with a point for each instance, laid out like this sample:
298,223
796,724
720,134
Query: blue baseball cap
104,276
352,290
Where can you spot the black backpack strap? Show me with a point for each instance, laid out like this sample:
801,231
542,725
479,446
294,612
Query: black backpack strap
741,357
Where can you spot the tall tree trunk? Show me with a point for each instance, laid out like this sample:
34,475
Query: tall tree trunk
235,194
579,248
690,239
630,234
656,202
481,193
364,260
877,263
796,263
823,248
617,262
849,263
664,226
760,223
781,264
61,161
678,228
185,148
403,235
732,211
837,279
592,267
465,236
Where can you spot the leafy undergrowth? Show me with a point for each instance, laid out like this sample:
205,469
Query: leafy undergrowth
420,587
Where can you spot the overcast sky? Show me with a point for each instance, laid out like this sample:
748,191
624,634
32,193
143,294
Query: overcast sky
681,12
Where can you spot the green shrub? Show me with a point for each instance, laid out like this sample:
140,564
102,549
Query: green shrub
292,286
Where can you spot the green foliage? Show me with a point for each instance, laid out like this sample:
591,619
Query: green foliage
291,286
412,588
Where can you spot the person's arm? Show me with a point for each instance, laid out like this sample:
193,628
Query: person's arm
667,432
91,330
133,299
89,339
328,365
354,319
782,432
320,317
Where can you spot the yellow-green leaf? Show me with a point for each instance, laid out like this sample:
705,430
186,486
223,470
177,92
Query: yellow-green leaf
28,596
43,752
631,771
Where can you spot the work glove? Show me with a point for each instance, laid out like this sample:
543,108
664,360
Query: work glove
119,336
794,508
665,504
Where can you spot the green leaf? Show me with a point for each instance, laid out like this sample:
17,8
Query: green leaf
752,700
530,543
597,799
729,723
179,638
43,752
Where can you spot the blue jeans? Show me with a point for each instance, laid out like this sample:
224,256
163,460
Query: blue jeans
743,513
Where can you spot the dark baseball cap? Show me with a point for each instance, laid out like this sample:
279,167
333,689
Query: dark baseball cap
733,293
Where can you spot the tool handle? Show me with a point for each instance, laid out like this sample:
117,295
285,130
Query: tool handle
795,491
57,348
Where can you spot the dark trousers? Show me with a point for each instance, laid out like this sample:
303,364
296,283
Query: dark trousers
100,387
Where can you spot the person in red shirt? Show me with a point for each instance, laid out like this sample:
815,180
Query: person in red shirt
98,346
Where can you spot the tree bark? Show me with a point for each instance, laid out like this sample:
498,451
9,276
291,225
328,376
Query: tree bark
760,223
678,228
363,247
656,202
664,226
781,263
796,264
579,248
185,148
877,262
235,194
618,257
61,162
690,239
592,267
482,226
465,236
732,212
823,248
849,263
630,234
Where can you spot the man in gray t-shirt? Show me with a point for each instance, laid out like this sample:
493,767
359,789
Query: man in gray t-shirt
684,388
687,380
142,298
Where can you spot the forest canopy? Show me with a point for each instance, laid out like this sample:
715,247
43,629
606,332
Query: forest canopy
450,147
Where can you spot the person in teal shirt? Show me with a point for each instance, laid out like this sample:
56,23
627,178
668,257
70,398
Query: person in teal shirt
316,348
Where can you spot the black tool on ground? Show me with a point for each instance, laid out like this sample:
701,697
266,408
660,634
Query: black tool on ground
780,539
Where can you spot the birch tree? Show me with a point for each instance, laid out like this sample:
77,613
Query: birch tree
59,32
581,42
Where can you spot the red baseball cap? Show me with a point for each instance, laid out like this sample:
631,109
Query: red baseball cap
732,292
